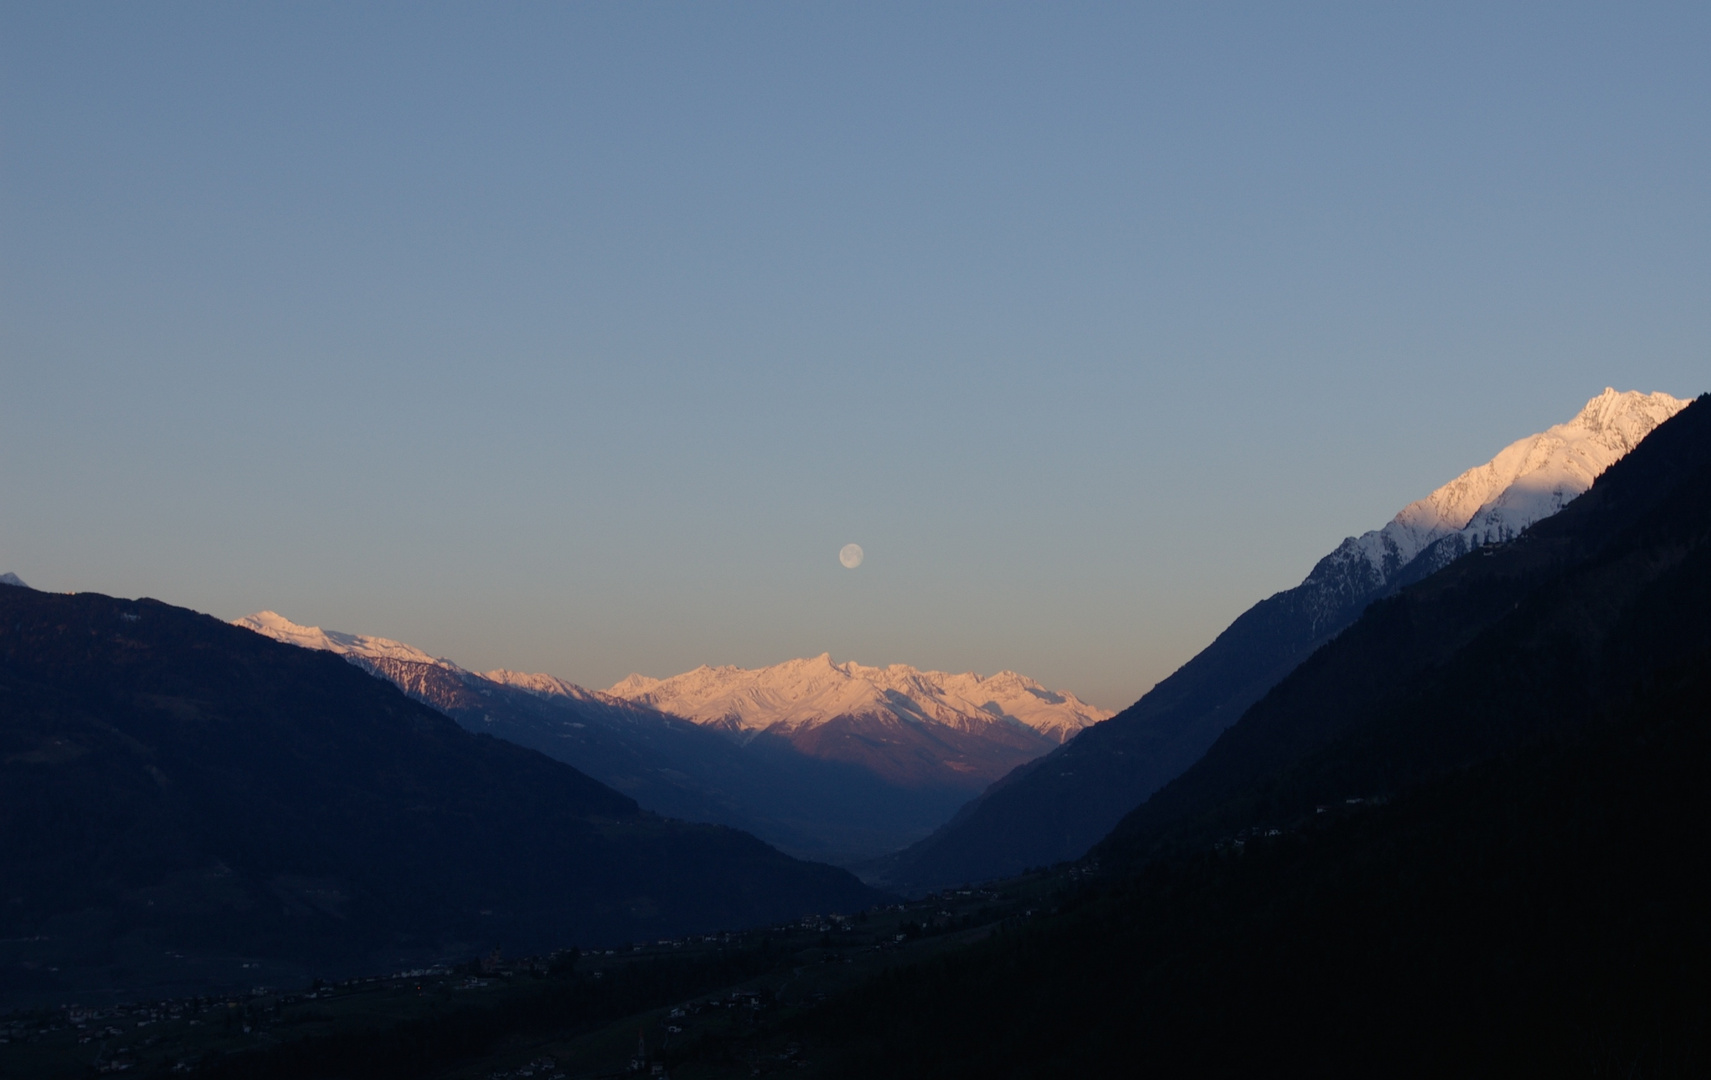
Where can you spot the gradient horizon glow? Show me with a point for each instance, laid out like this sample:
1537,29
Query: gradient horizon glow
579,339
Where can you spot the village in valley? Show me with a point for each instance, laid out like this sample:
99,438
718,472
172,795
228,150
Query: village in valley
702,1005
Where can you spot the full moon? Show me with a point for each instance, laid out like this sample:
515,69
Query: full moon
850,556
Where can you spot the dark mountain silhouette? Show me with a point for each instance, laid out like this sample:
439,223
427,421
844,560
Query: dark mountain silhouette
1550,629
1465,838
1057,807
1054,809
177,794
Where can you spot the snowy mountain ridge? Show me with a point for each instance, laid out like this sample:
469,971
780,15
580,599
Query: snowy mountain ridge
1062,805
278,627
788,697
1529,480
801,694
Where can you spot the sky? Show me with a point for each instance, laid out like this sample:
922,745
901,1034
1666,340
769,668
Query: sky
580,338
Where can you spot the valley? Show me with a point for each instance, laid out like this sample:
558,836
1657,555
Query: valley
722,1002
1489,779
600,541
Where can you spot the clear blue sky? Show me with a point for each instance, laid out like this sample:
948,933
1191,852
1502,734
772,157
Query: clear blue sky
580,338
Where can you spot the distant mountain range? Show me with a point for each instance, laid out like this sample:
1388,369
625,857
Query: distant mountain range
916,729
187,804
801,695
831,761
1057,807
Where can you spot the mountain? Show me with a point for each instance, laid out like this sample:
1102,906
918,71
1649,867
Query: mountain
188,804
12,579
1529,480
815,806
365,651
1578,614
804,694
1059,806
1464,839
911,727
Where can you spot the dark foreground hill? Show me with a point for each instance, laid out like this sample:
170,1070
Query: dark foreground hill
1541,916
186,803
1468,838
1057,807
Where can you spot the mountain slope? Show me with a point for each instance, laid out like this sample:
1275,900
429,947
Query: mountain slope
1525,897
1539,914
1581,611
177,794
1058,807
832,762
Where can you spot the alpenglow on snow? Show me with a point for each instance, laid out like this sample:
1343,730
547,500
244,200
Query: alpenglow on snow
1529,480
800,694
793,695
1066,802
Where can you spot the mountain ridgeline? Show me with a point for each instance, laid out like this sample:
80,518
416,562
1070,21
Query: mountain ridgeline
1570,621
1464,838
1059,806
836,762
189,804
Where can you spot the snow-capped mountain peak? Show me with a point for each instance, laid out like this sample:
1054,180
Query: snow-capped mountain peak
276,626
362,647
804,693
1527,481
